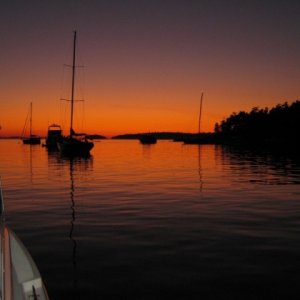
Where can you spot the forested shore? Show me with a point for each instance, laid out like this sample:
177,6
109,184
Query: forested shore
279,125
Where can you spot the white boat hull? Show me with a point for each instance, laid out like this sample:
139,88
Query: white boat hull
20,276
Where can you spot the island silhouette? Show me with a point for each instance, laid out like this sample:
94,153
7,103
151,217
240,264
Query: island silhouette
278,126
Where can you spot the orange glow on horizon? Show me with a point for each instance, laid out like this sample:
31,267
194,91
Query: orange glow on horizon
130,116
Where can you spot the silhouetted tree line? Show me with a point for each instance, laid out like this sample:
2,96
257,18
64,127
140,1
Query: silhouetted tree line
280,124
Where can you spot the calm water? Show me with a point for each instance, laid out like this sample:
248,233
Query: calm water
157,222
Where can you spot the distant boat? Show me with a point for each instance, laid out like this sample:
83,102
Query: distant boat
147,139
20,277
31,139
53,136
75,143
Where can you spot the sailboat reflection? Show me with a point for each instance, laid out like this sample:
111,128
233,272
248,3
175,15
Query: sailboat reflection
73,219
75,168
29,156
69,174
200,168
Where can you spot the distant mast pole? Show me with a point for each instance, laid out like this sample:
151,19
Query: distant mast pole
73,83
200,113
30,120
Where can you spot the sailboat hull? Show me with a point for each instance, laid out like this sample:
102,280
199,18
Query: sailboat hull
32,140
72,146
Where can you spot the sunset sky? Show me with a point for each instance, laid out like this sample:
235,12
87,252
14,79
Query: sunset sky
146,63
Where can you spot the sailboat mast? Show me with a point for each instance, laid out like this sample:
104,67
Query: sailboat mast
30,120
73,83
200,113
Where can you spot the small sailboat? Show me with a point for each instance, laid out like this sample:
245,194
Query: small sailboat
20,277
74,144
196,138
31,139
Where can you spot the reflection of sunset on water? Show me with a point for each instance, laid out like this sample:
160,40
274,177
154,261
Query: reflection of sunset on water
180,211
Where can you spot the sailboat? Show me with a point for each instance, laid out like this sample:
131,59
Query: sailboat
31,139
20,277
196,138
201,138
75,143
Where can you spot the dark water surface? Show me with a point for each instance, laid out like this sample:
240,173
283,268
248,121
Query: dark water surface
165,221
